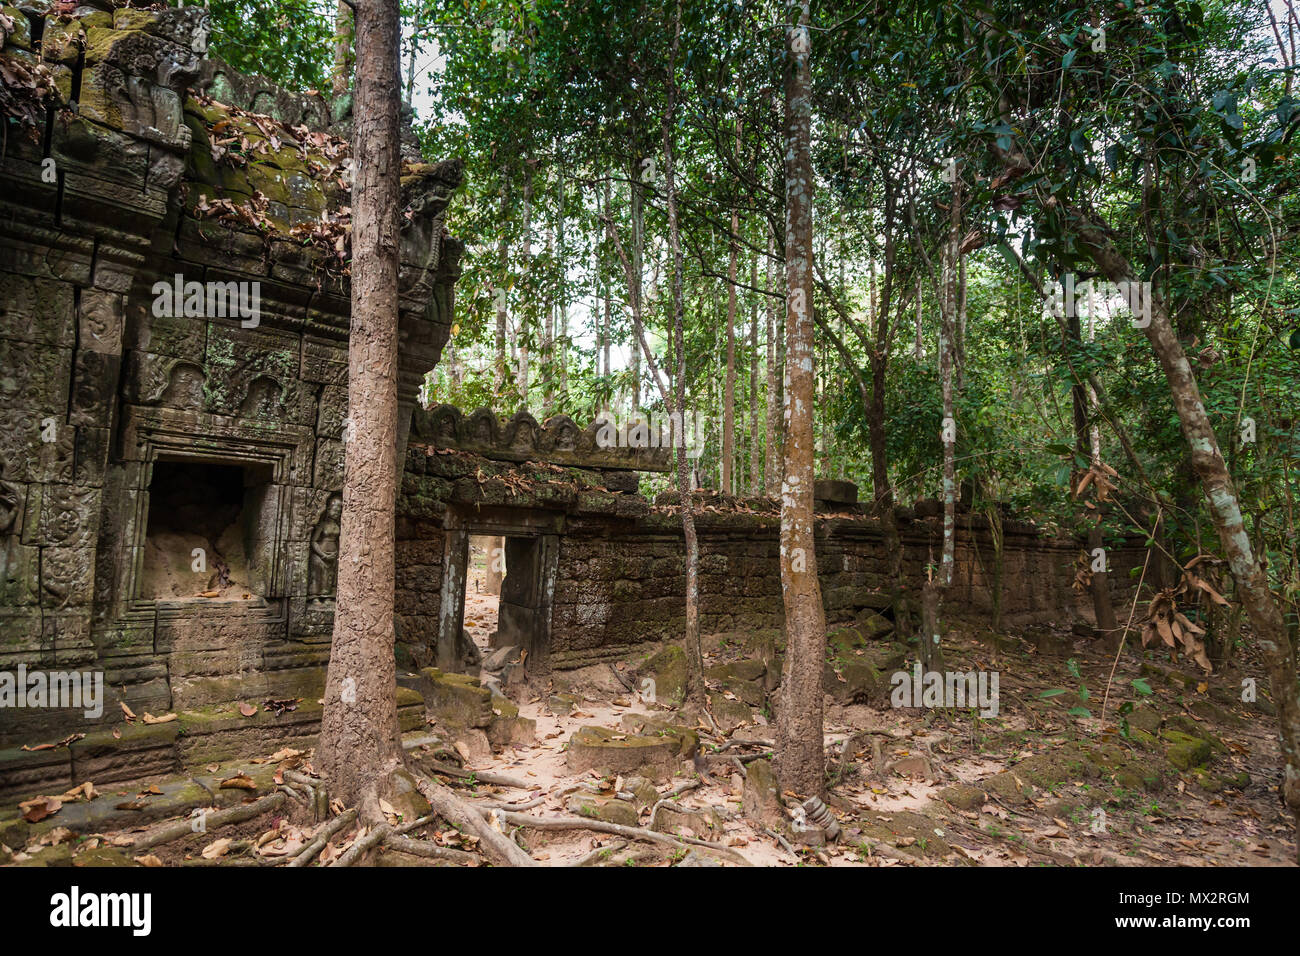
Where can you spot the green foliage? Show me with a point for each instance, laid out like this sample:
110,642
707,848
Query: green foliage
289,41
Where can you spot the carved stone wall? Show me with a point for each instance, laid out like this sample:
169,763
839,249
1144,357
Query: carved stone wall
126,173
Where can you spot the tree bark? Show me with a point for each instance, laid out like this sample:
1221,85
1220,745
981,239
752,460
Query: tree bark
503,254
800,755
771,445
344,30
1259,602
1084,444
729,388
521,328
694,650
755,455
637,194
360,745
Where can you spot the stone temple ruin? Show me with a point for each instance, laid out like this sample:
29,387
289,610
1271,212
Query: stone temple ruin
174,314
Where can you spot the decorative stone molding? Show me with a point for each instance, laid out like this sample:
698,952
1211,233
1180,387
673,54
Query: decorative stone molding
559,441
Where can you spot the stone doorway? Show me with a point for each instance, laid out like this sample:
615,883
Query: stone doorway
482,591
521,616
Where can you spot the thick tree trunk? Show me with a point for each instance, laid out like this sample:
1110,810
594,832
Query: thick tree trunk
360,744
799,743
1261,606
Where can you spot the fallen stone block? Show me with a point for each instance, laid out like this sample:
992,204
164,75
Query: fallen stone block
601,749
610,811
761,799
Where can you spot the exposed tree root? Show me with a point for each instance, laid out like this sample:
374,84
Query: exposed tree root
308,853
428,849
363,845
594,857
496,846
482,776
600,826
218,818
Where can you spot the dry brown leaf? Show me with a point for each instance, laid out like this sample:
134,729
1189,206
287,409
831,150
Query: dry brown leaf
217,848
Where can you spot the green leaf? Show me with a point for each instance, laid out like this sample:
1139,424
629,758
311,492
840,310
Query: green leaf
1079,712
1051,693
1142,687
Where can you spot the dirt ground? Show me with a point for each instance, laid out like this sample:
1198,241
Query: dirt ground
1179,770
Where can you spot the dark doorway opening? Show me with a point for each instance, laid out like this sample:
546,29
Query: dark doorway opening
206,533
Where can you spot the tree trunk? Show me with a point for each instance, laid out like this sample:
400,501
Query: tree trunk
343,40
1103,610
360,744
1261,606
772,456
410,67
503,253
634,287
496,566
918,348
799,745
729,388
755,456
548,336
604,284
521,326
559,348
694,651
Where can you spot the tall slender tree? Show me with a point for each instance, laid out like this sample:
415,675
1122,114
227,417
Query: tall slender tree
800,756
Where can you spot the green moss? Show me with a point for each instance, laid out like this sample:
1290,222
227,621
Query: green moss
1185,751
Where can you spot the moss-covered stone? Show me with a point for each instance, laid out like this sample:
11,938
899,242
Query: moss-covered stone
601,749
667,669
21,36
1185,751
456,700
610,811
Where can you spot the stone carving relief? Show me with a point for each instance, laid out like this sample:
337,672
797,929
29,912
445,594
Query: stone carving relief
323,562
264,399
11,503
184,387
